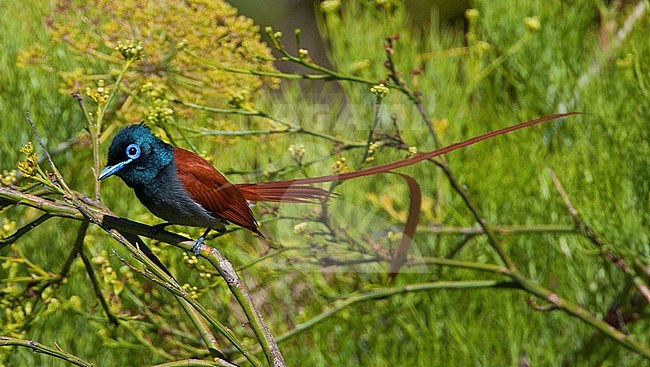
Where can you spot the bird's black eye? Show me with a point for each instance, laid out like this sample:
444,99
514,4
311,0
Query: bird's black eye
133,151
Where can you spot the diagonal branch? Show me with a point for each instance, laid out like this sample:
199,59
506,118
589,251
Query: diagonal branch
96,287
20,232
591,235
44,349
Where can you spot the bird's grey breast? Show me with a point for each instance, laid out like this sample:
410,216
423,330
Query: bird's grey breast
166,198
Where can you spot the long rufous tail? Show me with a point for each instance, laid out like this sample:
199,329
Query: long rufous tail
288,191
300,191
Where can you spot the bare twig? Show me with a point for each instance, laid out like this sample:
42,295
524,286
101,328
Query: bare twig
501,229
109,222
97,288
382,293
26,228
238,289
43,349
588,232
192,362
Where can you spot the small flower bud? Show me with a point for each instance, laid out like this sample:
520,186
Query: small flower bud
471,15
130,50
28,148
297,153
8,177
380,90
482,46
330,6
341,166
29,166
532,24
182,45
300,227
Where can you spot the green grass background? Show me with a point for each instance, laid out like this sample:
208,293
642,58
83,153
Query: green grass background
601,157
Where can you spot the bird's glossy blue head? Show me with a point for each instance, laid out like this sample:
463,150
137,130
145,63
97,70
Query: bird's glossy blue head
136,156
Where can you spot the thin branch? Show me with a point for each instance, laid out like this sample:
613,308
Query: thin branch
371,131
496,243
97,288
206,335
493,268
382,293
502,230
166,282
204,330
47,155
289,126
393,291
107,221
43,349
95,125
588,232
253,314
395,75
23,230
55,208
192,362
76,249
327,74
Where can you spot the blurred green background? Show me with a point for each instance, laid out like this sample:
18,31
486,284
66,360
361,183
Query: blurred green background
492,71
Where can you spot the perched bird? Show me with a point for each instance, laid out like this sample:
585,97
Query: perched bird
183,188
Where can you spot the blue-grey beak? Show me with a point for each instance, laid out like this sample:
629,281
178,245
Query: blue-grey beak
111,170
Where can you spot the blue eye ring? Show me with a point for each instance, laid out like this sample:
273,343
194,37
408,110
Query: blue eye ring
133,151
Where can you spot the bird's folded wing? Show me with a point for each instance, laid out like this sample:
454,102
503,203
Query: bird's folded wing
211,189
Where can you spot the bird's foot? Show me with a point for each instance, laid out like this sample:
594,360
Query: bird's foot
197,246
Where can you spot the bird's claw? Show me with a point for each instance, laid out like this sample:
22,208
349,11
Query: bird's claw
197,246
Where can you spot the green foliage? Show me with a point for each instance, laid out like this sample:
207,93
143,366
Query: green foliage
513,62
93,35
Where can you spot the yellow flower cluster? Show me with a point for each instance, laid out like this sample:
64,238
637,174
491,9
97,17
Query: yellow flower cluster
191,290
8,177
532,24
297,152
14,318
31,56
330,6
205,275
29,166
183,30
190,260
341,166
371,151
159,111
8,227
99,94
380,90
110,276
300,228
239,100
130,50
303,54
